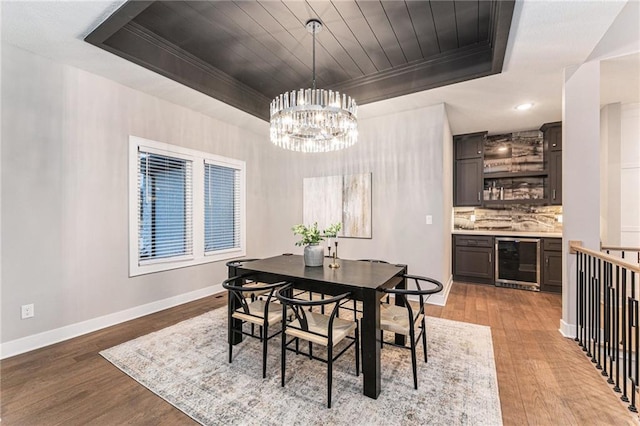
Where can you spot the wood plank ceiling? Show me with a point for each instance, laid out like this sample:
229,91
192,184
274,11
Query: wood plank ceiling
245,53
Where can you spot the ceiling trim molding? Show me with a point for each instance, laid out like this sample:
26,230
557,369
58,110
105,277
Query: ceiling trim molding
121,17
461,65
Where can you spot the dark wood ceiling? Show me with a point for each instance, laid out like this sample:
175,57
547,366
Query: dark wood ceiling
245,53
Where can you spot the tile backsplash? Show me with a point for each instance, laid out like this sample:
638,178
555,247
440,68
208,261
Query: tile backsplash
516,217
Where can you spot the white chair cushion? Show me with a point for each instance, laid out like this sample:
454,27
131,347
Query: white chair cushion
396,318
256,311
319,323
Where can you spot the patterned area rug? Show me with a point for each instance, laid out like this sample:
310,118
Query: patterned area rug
186,364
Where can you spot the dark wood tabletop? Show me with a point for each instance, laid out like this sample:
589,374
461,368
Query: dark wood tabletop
351,272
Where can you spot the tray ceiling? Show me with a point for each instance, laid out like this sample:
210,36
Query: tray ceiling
245,53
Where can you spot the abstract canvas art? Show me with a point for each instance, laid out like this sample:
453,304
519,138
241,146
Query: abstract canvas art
344,199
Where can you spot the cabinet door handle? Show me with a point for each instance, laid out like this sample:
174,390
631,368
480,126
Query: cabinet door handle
489,257
546,261
478,195
480,152
554,194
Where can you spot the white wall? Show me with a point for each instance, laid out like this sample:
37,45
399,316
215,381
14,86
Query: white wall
581,174
610,174
64,193
64,196
581,186
409,156
620,159
630,175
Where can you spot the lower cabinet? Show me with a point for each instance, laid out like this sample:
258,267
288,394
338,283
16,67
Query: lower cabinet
474,261
551,265
473,258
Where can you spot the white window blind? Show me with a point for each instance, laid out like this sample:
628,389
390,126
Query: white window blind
186,207
164,207
222,208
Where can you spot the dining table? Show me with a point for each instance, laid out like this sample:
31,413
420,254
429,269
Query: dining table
365,281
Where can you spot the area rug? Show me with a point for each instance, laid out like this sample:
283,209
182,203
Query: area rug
186,364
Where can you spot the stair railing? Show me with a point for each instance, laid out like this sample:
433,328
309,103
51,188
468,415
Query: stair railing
608,316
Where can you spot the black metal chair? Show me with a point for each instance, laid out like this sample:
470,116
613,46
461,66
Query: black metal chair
404,319
244,306
317,328
239,262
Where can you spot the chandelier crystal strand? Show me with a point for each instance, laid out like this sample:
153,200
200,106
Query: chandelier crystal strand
313,120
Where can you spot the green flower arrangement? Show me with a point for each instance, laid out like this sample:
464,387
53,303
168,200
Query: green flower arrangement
312,235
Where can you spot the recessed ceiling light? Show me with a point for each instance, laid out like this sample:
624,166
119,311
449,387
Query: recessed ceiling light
524,107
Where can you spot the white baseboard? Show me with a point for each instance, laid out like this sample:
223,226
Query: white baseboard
46,338
439,299
567,330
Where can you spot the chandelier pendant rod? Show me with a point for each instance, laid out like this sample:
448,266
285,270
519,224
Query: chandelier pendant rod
314,57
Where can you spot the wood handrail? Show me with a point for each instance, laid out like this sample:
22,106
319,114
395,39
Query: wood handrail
605,247
576,246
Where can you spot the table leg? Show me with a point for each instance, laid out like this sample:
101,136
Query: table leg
370,342
232,305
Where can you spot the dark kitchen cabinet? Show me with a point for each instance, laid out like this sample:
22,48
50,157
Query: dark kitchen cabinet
468,182
473,258
553,153
552,135
551,265
470,145
468,169
555,177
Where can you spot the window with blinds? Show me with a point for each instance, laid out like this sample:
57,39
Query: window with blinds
186,207
164,207
221,208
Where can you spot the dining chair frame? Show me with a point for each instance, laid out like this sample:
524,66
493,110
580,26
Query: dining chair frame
419,316
237,294
300,309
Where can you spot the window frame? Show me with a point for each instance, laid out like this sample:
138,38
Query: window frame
198,159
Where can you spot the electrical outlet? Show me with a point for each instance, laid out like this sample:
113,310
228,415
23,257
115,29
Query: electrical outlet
27,311
429,219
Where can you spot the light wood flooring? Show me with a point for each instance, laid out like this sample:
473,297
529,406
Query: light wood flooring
543,378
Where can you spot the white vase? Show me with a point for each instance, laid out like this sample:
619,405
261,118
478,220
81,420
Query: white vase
314,255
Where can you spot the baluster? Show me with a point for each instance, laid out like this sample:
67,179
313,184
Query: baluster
625,325
590,345
616,388
607,319
578,299
583,303
597,347
634,380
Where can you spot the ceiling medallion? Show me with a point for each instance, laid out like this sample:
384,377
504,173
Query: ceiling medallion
313,120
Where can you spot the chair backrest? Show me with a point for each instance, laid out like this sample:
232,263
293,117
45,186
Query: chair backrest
297,307
240,293
429,286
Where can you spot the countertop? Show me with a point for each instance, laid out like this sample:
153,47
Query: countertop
538,234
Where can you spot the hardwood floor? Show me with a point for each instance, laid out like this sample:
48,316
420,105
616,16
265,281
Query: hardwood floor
543,378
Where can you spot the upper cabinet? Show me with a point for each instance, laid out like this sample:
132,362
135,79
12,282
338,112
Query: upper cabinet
515,168
468,169
553,148
470,145
552,136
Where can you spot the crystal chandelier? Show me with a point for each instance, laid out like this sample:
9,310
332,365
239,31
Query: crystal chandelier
313,120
